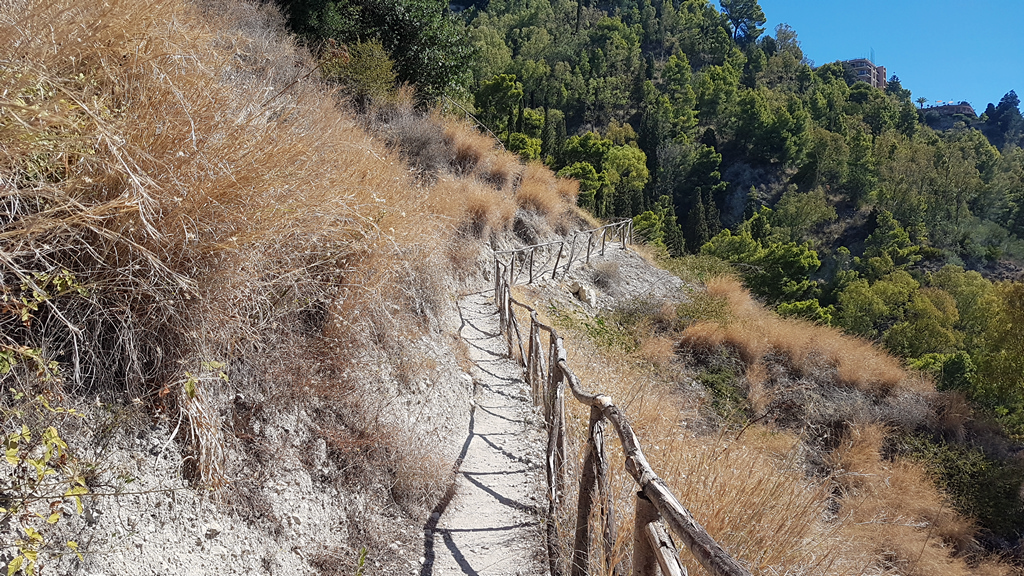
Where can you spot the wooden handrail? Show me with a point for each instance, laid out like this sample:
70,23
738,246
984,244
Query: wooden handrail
548,379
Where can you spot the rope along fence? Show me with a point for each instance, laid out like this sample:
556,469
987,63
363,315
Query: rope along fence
548,375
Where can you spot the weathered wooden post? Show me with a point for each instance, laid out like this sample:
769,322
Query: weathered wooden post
572,254
604,239
587,496
645,561
610,533
653,550
533,251
530,379
590,243
558,258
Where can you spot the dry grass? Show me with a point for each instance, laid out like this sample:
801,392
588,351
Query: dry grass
893,507
764,492
469,144
216,205
542,192
753,332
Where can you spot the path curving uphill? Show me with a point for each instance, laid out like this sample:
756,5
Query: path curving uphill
492,524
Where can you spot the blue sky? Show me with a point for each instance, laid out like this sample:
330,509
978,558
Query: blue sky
940,49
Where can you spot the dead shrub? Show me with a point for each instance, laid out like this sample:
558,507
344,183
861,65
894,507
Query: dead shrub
470,146
606,275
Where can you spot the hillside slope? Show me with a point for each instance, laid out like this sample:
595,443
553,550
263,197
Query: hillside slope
228,341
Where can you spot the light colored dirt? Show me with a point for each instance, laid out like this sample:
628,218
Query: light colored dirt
492,524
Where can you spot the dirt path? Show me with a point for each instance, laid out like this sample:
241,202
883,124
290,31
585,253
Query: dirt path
491,526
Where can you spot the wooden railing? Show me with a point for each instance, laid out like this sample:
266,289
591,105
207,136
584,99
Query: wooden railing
548,376
538,260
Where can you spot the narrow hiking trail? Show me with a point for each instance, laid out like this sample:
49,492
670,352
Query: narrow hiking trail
492,525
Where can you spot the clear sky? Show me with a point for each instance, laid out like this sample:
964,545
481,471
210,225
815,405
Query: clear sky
940,49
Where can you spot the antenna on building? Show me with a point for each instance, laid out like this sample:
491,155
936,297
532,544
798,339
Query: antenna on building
872,55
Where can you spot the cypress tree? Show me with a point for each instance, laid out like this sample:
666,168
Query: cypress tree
697,224
712,217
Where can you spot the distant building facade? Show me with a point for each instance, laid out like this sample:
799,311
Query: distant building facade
949,109
866,71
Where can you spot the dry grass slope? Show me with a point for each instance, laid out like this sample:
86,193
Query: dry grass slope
222,211
783,500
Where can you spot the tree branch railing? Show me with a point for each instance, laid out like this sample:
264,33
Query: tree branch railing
549,375
538,260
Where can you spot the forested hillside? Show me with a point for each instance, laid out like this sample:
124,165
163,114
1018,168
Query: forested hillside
840,204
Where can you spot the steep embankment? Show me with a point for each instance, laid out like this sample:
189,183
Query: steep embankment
228,339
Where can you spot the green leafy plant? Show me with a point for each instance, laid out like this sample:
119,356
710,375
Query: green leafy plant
42,476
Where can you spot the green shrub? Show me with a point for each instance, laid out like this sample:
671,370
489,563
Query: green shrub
364,69
977,485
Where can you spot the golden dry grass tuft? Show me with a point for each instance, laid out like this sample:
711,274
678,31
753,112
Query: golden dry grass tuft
754,331
893,507
470,146
542,192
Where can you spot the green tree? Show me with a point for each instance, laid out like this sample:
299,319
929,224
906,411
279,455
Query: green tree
590,183
928,326
888,247
527,148
626,167
744,17
800,212
498,99
429,45
366,74
776,271
589,147
870,309
1000,382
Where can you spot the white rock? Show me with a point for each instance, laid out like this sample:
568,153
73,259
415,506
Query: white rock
213,530
588,295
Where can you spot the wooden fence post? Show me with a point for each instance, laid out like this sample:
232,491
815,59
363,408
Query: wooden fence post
530,374
558,259
610,532
585,501
604,239
572,254
645,561
532,252
590,242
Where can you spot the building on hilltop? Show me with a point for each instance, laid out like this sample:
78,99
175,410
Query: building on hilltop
866,71
964,108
